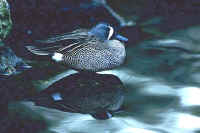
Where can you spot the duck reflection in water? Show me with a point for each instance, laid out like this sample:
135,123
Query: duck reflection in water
100,95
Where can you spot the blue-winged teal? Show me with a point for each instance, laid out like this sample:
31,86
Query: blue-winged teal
86,50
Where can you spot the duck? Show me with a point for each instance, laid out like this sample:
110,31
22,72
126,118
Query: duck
100,95
90,50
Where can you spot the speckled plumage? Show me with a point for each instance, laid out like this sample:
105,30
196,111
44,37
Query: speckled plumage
94,56
85,50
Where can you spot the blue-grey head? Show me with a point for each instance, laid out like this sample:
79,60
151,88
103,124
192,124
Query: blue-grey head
106,32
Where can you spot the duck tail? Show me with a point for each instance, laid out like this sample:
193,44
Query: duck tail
39,51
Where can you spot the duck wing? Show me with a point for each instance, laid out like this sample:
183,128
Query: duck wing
60,43
74,35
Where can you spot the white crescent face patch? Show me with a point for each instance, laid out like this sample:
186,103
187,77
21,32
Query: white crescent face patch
110,32
57,57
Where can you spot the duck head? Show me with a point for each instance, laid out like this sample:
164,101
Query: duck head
106,32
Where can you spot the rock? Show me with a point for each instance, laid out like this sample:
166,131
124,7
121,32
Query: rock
10,64
100,95
13,85
5,19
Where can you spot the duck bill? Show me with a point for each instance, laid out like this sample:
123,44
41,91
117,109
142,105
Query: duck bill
121,38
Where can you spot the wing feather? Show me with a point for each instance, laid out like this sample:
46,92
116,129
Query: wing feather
75,35
70,41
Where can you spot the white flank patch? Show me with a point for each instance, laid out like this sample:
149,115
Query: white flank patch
57,57
110,32
57,96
